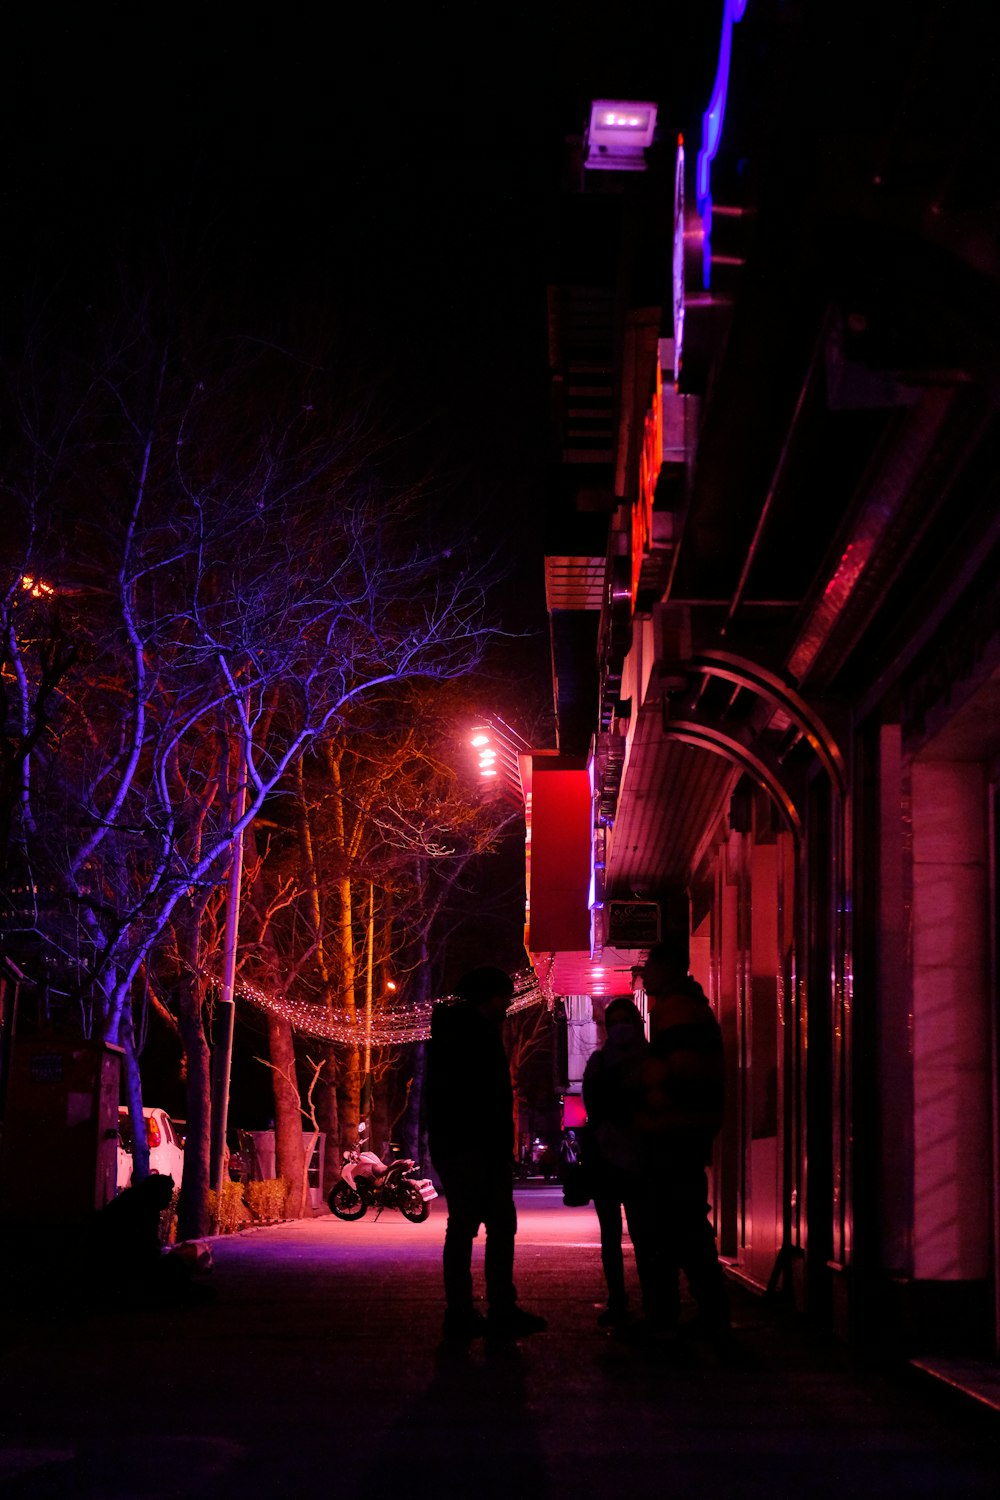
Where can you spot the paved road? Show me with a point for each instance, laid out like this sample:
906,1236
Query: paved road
316,1370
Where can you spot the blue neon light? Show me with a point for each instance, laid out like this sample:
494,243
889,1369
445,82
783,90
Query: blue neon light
711,126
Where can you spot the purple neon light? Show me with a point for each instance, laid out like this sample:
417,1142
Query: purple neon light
711,127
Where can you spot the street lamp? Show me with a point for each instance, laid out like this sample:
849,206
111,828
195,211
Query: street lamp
367,1085
497,748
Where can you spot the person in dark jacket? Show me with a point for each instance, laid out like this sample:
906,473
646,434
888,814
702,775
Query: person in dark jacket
124,1257
470,1125
613,1094
681,1115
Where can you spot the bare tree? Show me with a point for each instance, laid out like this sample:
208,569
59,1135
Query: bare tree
528,1034
381,813
211,535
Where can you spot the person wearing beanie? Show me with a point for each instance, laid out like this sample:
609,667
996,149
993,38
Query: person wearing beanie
612,1095
681,1115
470,1124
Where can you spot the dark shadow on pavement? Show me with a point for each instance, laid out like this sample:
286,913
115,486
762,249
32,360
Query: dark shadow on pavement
468,1436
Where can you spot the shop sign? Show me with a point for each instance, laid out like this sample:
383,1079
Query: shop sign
650,464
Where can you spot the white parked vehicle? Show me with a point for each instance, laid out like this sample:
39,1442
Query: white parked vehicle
166,1150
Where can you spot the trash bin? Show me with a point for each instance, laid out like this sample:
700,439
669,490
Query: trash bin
59,1142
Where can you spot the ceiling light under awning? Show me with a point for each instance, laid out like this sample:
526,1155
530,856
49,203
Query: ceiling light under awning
619,132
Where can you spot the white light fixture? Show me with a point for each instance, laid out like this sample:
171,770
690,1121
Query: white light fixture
620,130
497,748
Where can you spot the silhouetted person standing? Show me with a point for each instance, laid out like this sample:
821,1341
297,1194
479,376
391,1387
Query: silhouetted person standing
126,1257
613,1083
470,1122
682,1113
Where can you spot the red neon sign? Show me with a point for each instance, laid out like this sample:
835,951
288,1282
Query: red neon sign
650,464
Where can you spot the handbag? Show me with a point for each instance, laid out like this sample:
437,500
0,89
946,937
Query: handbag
577,1189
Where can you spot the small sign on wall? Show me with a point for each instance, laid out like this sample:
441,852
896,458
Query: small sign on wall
633,924
47,1067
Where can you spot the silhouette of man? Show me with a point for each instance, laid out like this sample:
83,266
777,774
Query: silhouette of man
470,1122
613,1095
682,1113
125,1240
126,1258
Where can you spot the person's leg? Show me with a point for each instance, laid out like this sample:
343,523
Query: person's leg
635,1202
698,1254
500,1219
608,1207
506,1319
463,1195
459,1234
652,1227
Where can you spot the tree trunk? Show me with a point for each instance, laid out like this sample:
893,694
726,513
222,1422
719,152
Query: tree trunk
133,1093
349,1071
413,1129
348,1093
410,1126
327,1115
288,1143
381,1129
192,1215
326,1092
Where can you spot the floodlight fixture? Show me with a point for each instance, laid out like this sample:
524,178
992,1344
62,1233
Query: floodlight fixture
498,746
619,132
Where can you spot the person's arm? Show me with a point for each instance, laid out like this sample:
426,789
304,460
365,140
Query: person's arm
684,1086
592,1087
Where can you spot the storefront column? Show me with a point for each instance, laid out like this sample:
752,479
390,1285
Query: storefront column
951,1023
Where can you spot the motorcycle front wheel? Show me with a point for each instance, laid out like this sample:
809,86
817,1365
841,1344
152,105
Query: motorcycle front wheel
413,1207
346,1203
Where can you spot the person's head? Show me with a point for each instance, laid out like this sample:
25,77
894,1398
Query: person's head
622,1014
488,988
157,1189
666,964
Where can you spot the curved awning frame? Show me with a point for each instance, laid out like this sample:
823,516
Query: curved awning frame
744,745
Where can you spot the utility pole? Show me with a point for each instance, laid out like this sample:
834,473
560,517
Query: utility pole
225,1019
365,1102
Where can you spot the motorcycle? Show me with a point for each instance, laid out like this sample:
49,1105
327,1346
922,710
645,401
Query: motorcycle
367,1182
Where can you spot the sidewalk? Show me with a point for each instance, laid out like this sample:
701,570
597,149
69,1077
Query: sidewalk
317,1368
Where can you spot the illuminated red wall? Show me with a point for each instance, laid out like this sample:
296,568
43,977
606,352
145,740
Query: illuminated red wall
574,1114
559,875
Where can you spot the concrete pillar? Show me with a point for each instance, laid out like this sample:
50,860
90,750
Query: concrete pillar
894,1019
951,1022
581,1038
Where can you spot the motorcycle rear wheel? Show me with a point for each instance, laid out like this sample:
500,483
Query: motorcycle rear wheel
413,1206
346,1203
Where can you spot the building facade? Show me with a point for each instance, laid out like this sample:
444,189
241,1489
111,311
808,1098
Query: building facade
772,587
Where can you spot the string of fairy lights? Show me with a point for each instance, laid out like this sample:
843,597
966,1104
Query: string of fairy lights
391,1025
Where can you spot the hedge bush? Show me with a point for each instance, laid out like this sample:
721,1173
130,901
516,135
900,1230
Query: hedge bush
228,1211
168,1221
266,1200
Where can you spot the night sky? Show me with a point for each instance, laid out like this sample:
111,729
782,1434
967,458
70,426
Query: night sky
374,184
377,183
